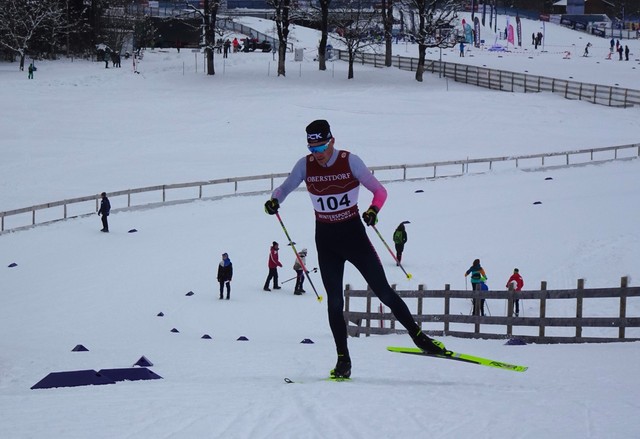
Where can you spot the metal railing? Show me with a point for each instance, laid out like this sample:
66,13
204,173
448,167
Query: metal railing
508,81
152,196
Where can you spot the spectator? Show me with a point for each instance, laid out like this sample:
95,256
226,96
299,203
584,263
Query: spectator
31,69
462,49
236,45
299,269
620,50
273,264
105,208
225,273
626,53
399,239
515,283
227,45
478,276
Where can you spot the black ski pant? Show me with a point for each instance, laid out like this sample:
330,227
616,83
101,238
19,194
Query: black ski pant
399,250
478,304
338,243
222,284
299,280
105,223
273,274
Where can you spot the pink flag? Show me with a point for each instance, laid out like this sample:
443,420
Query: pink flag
510,38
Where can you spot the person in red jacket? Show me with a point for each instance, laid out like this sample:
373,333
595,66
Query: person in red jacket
273,264
515,283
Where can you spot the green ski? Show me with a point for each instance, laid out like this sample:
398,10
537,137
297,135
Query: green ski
450,355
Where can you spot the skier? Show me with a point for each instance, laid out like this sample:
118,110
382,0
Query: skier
273,265
515,283
399,239
333,178
105,208
586,49
302,254
478,276
225,273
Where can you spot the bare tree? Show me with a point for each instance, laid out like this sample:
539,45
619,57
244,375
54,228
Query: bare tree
386,9
120,22
357,27
432,26
209,15
284,14
21,21
324,33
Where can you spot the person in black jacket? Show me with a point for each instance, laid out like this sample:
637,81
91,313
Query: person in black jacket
105,208
225,273
399,239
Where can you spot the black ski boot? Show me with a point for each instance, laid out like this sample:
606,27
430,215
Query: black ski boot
343,367
429,345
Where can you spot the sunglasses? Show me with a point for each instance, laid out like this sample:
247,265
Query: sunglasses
319,148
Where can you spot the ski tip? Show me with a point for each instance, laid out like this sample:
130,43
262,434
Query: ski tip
409,275
319,299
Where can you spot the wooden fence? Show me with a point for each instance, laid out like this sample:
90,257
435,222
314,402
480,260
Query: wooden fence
508,81
434,312
152,196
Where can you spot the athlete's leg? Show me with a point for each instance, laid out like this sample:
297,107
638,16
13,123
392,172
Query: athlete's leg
331,266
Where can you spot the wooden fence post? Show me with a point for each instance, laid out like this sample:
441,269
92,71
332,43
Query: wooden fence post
624,283
368,326
543,308
420,292
447,307
510,295
579,300
347,300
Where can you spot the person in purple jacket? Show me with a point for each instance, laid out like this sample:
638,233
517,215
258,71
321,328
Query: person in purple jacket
333,178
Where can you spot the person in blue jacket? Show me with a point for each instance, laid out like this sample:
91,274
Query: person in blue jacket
225,273
478,277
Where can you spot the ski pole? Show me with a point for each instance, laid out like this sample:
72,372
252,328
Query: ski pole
295,277
288,280
293,246
409,275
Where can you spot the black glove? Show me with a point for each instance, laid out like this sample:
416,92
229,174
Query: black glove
370,217
272,206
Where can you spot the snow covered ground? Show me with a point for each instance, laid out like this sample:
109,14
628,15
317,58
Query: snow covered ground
78,129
